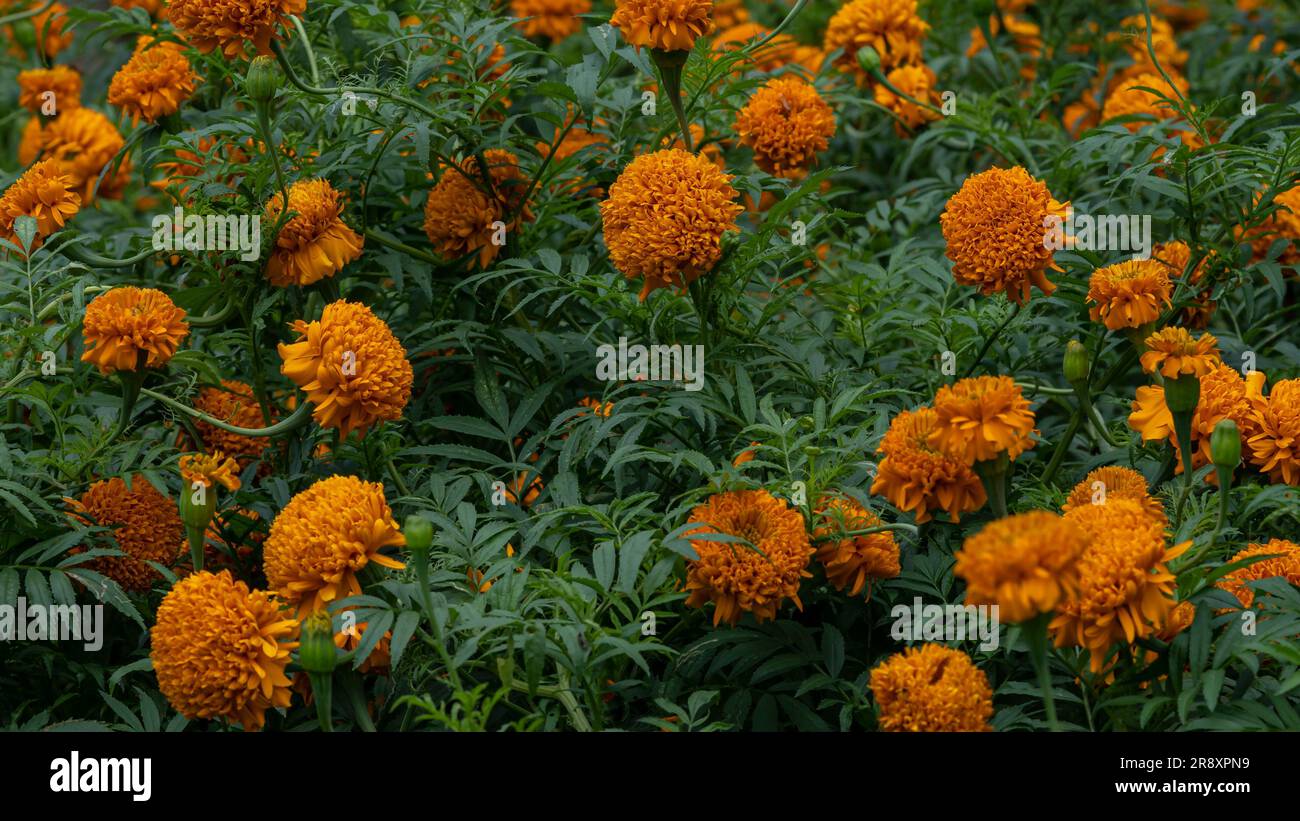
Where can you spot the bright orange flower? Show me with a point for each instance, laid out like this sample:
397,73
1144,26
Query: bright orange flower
145,526
891,27
228,24
775,52
43,193
917,82
552,19
1173,352
154,82
124,324
666,25
62,84
1284,564
786,123
1023,564
1114,482
854,560
234,404
314,244
980,417
932,689
1129,294
83,142
914,476
209,470
460,216
1274,437
1130,98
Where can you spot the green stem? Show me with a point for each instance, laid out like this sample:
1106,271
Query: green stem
1183,430
993,472
322,691
357,698
849,534
670,65
421,561
292,422
23,15
76,252
1036,636
988,343
195,537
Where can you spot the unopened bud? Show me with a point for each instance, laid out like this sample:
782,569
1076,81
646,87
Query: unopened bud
263,79
1182,393
869,59
1225,445
1076,363
418,532
316,650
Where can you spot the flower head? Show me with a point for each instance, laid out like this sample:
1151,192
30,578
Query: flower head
1274,439
44,193
1132,98
314,244
83,142
666,25
916,476
1285,563
125,323
917,82
61,82
220,650
352,367
553,19
1114,482
932,689
736,577
1129,294
145,526
1174,352
980,417
227,24
1023,564
234,404
787,123
854,560
665,217
891,27
154,82
210,469
324,537
994,227
459,214
1133,34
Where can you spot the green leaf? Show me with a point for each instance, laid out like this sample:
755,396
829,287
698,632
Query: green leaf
603,564
833,649
630,555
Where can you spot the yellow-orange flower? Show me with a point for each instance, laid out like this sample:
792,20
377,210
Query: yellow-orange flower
352,367
786,123
44,193
1129,294
522,492
1133,34
145,526
932,689
666,25
459,214
1174,352
994,229
980,417
220,650
314,244
854,560
324,537
552,19
914,476
123,324
1125,587
1275,436
665,217
62,82
1023,564
1114,482
738,578
209,470
234,404
1176,256
1284,564
891,27
728,13
154,82
227,24
1129,98
83,142
916,82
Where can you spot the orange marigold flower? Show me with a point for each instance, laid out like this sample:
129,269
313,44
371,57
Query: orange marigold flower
324,537
1130,98
994,229
1285,563
666,25
738,578
1174,352
351,366
154,82
553,19
595,406
459,214
1114,482
83,142
125,324
1125,587
932,689
1275,437
980,417
745,456
1283,223
914,476
314,244
1133,34
1176,256
1129,294
787,123
220,650
234,404
210,469
520,487
891,27
916,82
44,193
227,24
1179,619
665,217
61,83
853,561
1023,564
145,526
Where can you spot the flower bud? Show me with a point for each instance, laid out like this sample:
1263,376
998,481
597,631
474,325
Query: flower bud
869,59
263,79
1076,363
316,650
807,422
196,505
1182,393
418,532
1225,445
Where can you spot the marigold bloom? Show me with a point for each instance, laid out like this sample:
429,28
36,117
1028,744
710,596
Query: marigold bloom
665,217
916,82
891,27
1125,587
227,24
736,577
324,537
522,492
1114,482
220,650
854,560
234,404
154,82
994,227
1173,352
787,123
1275,433
552,19
1129,294
145,525
1133,34
43,193
83,142
914,476
667,25
1023,564
1129,98
314,244
123,323
1284,564
351,366
63,82
932,689
459,214
1179,619
209,470
980,417
155,8
1282,223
